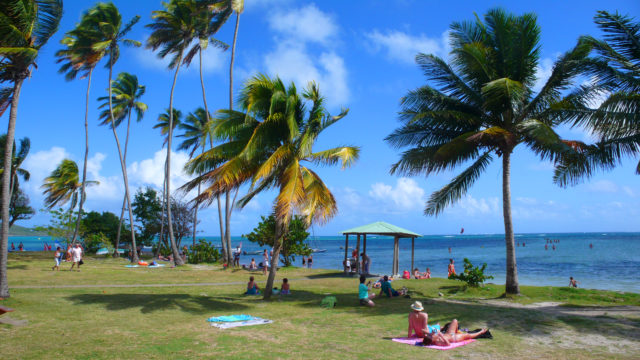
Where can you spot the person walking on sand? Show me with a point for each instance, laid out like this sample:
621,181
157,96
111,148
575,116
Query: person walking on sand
56,258
76,256
418,321
451,269
265,262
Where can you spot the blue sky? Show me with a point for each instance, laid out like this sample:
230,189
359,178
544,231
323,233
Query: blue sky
361,53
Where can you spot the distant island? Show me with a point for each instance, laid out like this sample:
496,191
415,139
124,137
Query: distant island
17,230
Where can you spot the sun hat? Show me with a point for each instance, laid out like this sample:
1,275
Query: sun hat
417,306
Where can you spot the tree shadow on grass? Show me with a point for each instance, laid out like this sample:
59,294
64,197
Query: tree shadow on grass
18,267
149,303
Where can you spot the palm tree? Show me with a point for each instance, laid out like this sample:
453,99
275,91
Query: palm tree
104,25
173,30
80,55
616,122
125,100
25,27
481,104
284,132
16,161
196,133
63,185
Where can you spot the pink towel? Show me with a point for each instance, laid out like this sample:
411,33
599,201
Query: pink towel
416,341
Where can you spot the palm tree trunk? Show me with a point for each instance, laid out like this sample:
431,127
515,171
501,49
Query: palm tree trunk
86,156
275,259
511,286
177,259
164,194
124,201
134,248
6,197
223,239
227,222
206,110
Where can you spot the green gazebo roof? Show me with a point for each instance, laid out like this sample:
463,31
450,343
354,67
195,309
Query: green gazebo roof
381,228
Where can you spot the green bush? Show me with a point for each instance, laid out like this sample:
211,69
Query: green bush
472,275
203,252
93,242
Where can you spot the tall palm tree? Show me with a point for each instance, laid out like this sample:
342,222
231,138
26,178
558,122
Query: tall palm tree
25,27
18,158
284,132
480,104
79,56
125,100
616,122
174,28
63,185
104,25
196,133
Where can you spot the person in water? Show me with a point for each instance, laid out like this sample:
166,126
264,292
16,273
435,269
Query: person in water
252,287
310,261
573,282
363,293
418,321
451,269
451,336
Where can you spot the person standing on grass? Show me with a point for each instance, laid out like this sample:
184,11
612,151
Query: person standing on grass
265,262
56,257
76,256
363,293
418,321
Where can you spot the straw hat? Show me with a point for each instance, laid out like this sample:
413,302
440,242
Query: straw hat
417,306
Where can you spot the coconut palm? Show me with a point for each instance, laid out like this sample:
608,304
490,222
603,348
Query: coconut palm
125,100
615,122
25,27
284,132
16,161
174,28
480,105
63,185
196,133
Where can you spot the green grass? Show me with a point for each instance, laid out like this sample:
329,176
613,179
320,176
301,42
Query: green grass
169,322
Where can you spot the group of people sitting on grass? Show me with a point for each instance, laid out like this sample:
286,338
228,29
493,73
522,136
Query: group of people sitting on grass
384,284
253,289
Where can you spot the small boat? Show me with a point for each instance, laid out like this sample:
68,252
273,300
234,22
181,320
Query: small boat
258,252
318,250
103,251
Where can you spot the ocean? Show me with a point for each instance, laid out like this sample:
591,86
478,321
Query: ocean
612,264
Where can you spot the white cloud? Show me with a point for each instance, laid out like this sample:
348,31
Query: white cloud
305,24
472,206
151,171
293,59
629,191
404,47
213,60
543,72
406,195
603,186
40,164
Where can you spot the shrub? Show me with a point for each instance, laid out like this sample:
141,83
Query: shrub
472,275
203,252
93,242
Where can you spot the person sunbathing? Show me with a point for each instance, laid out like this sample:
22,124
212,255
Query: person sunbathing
417,274
427,274
449,337
418,320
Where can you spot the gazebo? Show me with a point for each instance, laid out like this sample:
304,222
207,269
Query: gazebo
378,228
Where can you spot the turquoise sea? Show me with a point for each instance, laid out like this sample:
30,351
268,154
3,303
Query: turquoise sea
613,263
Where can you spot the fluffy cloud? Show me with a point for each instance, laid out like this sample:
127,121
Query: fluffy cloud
543,72
40,164
603,186
151,171
213,60
109,187
405,196
404,47
471,206
295,59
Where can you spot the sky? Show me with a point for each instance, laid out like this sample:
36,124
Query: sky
361,53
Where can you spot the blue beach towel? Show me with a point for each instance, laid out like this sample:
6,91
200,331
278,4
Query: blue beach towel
231,318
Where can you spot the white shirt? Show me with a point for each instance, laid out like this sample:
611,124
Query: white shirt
77,254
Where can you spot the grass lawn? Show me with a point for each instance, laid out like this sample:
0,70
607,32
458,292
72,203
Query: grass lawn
169,321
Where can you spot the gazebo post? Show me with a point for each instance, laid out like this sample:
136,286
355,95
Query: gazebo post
412,251
358,255
364,251
394,271
346,250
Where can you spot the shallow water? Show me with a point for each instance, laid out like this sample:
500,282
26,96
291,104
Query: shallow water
613,263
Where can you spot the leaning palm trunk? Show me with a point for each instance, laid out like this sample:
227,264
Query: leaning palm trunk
206,111
124,200
86,155
275,259
6,197
164,194
177,259
511,286
223,239
134,248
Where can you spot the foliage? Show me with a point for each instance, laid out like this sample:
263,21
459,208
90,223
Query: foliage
293,240
17,158
104,224
473,276
182,219
95,241
203,252
147,209
61,224
63,185
19,208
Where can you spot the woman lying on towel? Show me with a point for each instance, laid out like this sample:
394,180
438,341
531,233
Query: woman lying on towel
451,336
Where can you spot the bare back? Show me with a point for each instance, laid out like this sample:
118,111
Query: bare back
418,323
